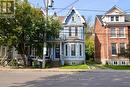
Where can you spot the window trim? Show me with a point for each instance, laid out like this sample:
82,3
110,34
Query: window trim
80,49
116,49
71,49
66,50
124,33
120,46
115,32
112,18
73,19
76,31
70,31
116,17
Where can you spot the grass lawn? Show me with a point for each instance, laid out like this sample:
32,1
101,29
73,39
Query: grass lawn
83,66
118,67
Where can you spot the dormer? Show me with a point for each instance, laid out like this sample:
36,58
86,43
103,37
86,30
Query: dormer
115,14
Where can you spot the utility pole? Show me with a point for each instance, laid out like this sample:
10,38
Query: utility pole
47,3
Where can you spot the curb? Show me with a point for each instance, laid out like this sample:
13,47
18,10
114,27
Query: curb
45,70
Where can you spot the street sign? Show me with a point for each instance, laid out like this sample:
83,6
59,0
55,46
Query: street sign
7,8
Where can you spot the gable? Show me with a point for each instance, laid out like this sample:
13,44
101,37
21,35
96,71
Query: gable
115,11
74,17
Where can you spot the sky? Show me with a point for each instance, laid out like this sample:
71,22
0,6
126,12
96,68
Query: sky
103,5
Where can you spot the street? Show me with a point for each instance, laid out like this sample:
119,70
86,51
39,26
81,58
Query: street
65,79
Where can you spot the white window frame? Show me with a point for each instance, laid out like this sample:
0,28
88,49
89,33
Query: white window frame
124,45
71,49
111,18
114,18
80,49
66,50
115,32
116,49
73,31
76,31
124,32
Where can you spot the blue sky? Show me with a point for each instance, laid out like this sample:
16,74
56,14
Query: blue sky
85,4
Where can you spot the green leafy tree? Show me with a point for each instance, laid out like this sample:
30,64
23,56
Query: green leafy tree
89,47
27,29
89,39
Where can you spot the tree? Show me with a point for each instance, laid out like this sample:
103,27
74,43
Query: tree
89,47
89,39
27,29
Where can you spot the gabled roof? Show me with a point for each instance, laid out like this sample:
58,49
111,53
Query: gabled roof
127,20
61,18
71,10
115,7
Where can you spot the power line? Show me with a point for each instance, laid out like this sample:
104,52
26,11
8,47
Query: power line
93,10
68,6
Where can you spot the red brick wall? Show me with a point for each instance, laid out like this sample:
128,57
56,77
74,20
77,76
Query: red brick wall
100,41
118,40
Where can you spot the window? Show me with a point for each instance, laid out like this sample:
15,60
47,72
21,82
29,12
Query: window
4,7
73,50
117,18
80,50
122,48
121,32
73,31
76,31
113,49
66,50
69,31
73,19
112,18
113,32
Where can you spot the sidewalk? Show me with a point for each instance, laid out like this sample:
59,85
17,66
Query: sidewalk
44,70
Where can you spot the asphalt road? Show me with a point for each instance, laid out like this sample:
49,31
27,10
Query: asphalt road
65,79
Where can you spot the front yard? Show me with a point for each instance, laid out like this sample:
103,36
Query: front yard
127,67
83,66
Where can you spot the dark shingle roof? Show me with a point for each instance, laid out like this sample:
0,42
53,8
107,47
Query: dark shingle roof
61,18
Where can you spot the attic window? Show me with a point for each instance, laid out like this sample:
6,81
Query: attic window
112,18
73,19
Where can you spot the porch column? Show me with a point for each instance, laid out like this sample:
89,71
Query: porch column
61,56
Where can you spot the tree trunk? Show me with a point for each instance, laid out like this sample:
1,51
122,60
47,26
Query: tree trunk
24,60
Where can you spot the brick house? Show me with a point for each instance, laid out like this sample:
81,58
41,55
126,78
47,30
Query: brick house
112,36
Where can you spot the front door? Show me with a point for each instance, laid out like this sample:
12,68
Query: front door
57,51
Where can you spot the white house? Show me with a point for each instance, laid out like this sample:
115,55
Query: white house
69,48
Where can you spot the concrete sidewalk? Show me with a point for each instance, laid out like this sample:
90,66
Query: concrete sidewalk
44,70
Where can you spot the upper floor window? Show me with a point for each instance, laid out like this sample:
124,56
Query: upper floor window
112,18
117,18
121,32
113,49
113,32
76,31
73,19
69,31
